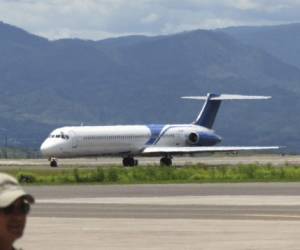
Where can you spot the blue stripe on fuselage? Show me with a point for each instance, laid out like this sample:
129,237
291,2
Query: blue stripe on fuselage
207,138
167,128
155,130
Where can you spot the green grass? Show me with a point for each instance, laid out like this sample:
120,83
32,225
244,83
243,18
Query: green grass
157,174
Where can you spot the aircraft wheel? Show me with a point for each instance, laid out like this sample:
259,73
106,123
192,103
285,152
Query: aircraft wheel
129,162
165,161
53,163
126,162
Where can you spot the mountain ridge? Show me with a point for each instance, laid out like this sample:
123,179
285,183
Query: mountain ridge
139,79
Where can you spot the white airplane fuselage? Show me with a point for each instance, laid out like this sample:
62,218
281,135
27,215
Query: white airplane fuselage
124,140
154,139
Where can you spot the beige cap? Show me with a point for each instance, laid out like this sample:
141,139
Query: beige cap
10,190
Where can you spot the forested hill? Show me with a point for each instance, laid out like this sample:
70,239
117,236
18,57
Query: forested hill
139,79
282,41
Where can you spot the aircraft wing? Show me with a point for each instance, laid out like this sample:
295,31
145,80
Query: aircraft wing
186,150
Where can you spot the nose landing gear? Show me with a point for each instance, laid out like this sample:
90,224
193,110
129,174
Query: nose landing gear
53,162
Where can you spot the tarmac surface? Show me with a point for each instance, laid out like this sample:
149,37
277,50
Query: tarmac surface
214,159
176,216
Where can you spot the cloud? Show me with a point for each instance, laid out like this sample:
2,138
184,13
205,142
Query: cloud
150,18
97,19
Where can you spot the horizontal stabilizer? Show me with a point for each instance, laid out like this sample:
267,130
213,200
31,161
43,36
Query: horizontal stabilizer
228,97
186,150
212,103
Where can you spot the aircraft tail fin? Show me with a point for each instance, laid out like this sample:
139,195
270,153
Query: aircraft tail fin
212,104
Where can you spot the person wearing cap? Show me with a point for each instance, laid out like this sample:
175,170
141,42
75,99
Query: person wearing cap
14,207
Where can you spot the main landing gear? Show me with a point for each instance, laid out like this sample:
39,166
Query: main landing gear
166,161
53,162
130,162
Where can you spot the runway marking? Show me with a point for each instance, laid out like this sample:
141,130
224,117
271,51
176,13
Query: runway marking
277,216
226,200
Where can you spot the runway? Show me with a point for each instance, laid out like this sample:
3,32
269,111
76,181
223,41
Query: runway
213,159
189,201
185,216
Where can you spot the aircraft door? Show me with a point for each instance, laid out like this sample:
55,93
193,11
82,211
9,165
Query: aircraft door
74,139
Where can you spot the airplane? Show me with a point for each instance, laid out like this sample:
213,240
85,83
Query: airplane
129,141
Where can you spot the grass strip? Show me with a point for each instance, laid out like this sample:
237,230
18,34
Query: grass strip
156,174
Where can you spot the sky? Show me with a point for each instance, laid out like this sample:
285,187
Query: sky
99,19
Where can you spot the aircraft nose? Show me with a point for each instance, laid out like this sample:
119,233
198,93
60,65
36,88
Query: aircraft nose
44,148
47,148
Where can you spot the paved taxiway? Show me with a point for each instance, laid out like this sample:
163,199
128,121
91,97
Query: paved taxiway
187,216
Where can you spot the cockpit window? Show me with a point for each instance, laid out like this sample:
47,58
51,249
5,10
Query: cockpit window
61,135
64,136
